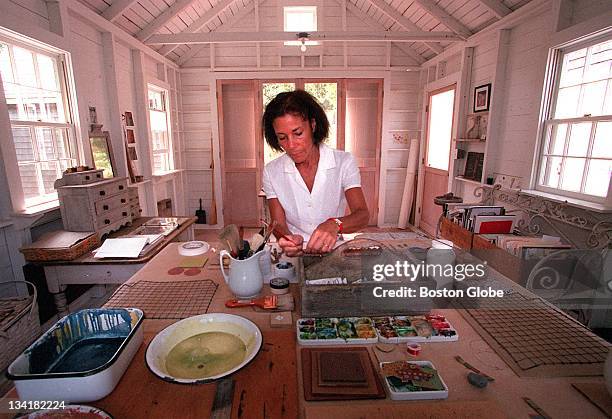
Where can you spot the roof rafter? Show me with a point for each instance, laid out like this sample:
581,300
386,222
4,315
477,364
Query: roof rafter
401,20
115,10
226,26
199,23
497,7
376,24
246,37
443,17
163,18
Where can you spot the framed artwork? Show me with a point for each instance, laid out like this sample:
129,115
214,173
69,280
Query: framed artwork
102,152
473,166
482,98
131,139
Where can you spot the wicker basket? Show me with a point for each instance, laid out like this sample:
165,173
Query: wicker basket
19,323
36,253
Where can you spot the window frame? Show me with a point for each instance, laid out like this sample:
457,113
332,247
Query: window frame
547,121
169,152
62,62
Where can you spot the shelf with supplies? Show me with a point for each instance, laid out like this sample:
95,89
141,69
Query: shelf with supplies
131,149
472,181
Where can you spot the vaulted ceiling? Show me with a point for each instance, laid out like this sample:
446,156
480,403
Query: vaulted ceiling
453,19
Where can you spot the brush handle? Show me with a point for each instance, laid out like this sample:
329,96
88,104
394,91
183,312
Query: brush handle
238,303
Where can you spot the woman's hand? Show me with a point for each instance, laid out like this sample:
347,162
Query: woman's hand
293,246
323,238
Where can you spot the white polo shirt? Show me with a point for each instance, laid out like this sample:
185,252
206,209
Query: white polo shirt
305,210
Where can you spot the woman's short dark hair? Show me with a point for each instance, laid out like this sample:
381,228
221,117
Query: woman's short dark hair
297,102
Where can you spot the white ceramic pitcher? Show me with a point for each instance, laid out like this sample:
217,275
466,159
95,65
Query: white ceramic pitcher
245,279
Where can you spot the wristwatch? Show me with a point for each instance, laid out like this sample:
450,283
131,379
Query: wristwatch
338,223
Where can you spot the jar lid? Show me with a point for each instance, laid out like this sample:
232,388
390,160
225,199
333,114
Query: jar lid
279,283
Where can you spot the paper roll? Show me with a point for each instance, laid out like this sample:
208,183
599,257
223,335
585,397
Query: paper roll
194,248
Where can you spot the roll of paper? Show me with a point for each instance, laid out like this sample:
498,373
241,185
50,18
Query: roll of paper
194,248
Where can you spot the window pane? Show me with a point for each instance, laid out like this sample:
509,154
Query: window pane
599,59
602,145
63,144
608,101
573,68
50,173
156,100
24,62
44,138
551,172
327,94
5,64
599,171
23,144
567,102
29,180
593,98
579,139
440,127
48,73
557,143
572,174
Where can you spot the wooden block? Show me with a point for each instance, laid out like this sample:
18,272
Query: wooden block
281,319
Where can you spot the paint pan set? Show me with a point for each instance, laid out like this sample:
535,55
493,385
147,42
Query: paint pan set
388,329
333,331
429,328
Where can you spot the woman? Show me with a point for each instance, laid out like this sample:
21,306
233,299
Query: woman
309,186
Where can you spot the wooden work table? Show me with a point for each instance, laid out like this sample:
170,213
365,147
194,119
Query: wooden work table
270,386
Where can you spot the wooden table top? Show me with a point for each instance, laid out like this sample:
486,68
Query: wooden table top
270,386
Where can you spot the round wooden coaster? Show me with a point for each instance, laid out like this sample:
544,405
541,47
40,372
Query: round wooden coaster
176,271
192,271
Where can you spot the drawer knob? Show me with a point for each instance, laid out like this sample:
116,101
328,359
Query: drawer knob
124,213
87,177
98,175
123,200
120,187
107,221
102,193
105,207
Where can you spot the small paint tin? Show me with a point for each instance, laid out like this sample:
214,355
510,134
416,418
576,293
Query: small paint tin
413,349
279,285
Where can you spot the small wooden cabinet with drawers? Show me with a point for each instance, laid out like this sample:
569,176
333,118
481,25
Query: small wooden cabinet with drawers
102,206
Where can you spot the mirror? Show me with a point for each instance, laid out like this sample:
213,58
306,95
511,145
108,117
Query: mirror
102,152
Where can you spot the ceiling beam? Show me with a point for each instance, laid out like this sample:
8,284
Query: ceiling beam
444,18
245,37
229,23
115,10
377,25
163,18
199,23
497,7
400,19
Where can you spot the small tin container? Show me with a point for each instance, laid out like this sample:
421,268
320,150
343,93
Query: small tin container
279,286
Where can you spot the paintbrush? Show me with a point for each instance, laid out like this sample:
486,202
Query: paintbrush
268,302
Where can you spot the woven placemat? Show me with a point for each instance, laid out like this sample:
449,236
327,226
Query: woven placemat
166,300
535,340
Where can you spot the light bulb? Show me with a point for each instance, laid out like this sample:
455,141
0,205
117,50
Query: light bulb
303,47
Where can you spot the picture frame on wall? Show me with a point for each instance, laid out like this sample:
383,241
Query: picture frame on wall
482,98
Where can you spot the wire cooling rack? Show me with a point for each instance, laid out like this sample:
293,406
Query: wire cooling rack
166,300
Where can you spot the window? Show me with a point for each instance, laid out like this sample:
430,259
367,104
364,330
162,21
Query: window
43,135
577,148
161,145
300,19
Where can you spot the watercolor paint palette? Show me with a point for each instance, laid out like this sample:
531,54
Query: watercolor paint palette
413,380
333,331
428,328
